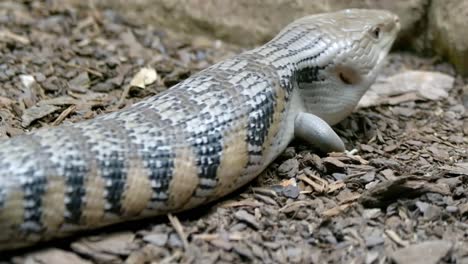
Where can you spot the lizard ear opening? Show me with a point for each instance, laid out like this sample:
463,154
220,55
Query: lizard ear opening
348,75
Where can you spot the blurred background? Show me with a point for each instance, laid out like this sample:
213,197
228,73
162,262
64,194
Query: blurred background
430,28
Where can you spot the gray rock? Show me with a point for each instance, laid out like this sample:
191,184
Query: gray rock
232,21
291,191
435,27
447,31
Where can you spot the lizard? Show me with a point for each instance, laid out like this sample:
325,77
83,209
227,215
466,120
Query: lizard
197,141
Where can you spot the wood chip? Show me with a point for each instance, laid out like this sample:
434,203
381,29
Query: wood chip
334,186
396,238
6,35
265,199
294,206
317,183
36,112
55,256
265,191
244,216
336,210
427,252
106,248
245,202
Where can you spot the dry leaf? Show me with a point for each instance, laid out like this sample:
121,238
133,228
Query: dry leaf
144,77
408,86
36,112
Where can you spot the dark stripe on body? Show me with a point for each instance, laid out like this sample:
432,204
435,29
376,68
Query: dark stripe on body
33,192
208,144
113,165
74,173
208,153
157,157
34,187
161,175
309,75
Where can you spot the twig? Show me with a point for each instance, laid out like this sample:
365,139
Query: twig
396,238
318,187
64,114
179,229
123,95
84,68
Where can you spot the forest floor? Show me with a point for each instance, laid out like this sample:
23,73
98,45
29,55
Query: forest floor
399,195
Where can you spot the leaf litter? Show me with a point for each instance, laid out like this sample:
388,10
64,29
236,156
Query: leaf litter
398,193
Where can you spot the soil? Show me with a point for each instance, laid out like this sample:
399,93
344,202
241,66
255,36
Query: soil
399,195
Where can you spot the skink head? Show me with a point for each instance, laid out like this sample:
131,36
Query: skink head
345,53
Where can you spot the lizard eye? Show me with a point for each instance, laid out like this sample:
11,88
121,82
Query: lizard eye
375,32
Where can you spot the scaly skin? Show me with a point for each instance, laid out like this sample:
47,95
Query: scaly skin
199,140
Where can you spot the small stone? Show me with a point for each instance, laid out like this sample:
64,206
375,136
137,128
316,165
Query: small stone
451,209
368,177
291,191
175,241
157,239
339,176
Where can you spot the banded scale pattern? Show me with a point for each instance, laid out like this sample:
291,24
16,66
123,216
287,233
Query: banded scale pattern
163,154
191,144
